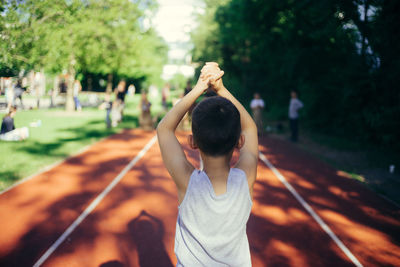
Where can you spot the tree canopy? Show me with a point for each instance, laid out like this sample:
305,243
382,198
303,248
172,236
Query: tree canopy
95,36
341,56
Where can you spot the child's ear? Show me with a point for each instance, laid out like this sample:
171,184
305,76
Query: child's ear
191,142
240,142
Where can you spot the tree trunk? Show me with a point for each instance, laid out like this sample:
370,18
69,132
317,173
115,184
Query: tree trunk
69,104
54,92
109,83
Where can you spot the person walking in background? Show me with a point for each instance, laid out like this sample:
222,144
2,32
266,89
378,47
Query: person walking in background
131,89
294,106
63,85
18,91
145,120
9,92
77,89
120,93
165,95
257,106
107,105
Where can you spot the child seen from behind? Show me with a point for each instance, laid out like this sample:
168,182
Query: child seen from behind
214,203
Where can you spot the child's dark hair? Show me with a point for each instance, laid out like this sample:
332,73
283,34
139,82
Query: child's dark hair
216,126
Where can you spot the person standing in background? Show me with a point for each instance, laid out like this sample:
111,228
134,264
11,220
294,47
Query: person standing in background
77,89
131,89
120,93
9,92
294,106
257,106
165,96
107,105
145,120
18,91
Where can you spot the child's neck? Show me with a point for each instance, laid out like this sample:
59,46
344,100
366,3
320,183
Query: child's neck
217,170
216,167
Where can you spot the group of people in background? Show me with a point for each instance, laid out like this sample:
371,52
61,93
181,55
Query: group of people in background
14,88
114,105
115,108
257,106
34,84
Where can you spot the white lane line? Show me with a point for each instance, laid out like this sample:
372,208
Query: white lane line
94,203
308,208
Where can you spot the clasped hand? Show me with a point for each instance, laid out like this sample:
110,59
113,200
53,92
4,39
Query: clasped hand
211,77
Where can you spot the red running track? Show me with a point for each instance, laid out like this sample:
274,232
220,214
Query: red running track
134,225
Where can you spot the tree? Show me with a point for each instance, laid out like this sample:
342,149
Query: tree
96,36
338,54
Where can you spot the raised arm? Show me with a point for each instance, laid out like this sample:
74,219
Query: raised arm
249,152
172,153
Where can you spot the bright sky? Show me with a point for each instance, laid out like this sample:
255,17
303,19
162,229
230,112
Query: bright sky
174,21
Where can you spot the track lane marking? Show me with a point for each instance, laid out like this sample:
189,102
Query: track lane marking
94,203
310,210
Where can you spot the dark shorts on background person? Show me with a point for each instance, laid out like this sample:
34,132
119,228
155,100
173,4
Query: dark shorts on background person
294,129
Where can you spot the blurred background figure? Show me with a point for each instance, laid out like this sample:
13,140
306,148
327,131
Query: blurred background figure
165,96
153,92
63,85
18,91
8,131
120,93
77,88
294,106
188,87
9,92
39,86
145,120
257,106
115,113
107,105
131,89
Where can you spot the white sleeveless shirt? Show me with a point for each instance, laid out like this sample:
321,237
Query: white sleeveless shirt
211,229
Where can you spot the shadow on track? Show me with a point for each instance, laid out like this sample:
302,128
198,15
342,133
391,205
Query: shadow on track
113,263
147,233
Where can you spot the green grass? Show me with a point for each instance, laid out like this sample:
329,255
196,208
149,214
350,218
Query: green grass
61,134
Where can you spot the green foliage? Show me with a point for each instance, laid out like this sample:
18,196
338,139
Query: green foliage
94,36
206,37
178,81
343,63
